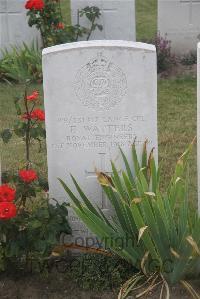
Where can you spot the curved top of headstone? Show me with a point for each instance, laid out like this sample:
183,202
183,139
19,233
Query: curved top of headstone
99,43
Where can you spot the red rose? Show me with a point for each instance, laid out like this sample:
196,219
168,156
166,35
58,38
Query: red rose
38,114
7,194
60,25
33,96
7,210
28,176
34,4
28,4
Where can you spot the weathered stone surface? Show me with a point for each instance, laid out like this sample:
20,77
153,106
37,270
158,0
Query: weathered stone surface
99,95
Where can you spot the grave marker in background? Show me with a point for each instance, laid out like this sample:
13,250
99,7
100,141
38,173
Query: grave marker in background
117,18
14,29
99,95
179,19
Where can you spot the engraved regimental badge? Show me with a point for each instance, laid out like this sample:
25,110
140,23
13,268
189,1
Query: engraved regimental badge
100,84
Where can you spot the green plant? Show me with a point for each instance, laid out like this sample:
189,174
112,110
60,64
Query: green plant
165,59
73,33
29,125
22,63
163,232
99,272
190,58
47,17
30,225
28,239
92,14
25,62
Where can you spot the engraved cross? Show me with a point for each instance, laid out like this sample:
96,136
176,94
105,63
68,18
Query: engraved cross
92,174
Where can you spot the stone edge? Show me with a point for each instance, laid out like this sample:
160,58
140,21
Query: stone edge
97,43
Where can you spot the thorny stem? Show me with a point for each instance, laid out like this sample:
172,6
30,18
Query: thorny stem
43,37
32,108
91,28
60,10
42,30
78,23
33,124
27,136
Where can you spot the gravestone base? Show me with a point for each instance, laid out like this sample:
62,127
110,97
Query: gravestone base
81,235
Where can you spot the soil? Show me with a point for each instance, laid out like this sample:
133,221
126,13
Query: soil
176,292
57,286
179,70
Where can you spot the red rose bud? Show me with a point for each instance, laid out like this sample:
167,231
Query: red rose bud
60,25
33,96
38,114
28,176
7,210
7,194
34,4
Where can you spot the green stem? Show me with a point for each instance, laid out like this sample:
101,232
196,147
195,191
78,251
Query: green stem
91,29
78,23
27,134
43,37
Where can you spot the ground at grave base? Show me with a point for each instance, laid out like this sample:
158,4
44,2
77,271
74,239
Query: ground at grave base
179,70
53,287
58,287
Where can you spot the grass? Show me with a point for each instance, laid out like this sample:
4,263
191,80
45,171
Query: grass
176,127
65,6
13,154
146,19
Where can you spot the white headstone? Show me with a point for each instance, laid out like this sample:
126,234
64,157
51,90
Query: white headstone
99,95
117,18
198,122
179,19
14,29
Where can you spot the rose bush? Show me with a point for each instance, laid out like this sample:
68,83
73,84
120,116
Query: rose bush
7,193
7,207
7,210
34,4
28,176
30,122
47,17
30,225
33,97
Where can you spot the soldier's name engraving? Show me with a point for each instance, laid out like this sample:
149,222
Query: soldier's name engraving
88,132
